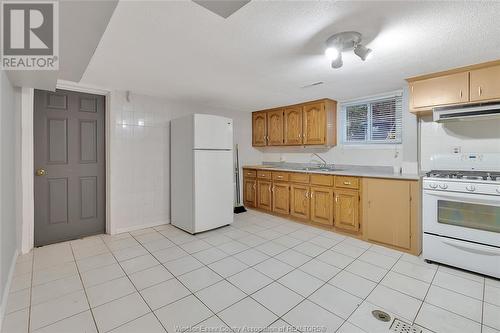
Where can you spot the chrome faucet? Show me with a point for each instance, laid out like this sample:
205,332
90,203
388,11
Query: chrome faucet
325,163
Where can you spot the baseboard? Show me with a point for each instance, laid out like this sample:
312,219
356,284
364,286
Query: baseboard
138,227
5,295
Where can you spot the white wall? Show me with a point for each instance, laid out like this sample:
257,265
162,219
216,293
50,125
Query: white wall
403,155
139,157
8,181
475,136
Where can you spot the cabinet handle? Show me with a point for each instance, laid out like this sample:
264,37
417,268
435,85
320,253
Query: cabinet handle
336,199
305,195
347,183
269,188
254,186
279,177
480,91
272,189
461,93
311,195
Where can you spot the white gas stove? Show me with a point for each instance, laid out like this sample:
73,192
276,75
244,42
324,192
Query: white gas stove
461,212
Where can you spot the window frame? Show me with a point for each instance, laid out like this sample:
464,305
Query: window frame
369,102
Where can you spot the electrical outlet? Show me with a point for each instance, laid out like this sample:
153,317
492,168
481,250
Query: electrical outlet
456,150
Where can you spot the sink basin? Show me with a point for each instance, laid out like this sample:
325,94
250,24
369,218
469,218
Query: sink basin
321,169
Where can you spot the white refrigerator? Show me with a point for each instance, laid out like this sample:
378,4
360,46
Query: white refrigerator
201,172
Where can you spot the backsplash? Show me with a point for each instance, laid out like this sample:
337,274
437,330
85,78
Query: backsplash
473,136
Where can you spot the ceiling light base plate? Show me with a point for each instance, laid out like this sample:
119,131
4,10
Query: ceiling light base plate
344,40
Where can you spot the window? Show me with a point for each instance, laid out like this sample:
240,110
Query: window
376,121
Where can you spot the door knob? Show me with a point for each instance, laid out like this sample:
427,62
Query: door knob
41,172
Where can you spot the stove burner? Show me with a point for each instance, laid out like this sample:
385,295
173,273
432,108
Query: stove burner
473,175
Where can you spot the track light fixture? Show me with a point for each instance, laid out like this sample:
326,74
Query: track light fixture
345,41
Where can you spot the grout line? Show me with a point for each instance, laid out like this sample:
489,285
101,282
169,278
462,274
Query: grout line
84,289
482,305
31,290
137,290
425,296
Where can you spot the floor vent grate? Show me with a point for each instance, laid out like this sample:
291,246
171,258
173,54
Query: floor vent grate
400,326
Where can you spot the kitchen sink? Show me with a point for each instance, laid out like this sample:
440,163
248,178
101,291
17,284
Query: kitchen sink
320,169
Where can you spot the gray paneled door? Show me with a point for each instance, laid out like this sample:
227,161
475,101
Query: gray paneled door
69,166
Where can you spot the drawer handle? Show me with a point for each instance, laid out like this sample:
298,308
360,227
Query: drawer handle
347,183
480,91
473,249
280,177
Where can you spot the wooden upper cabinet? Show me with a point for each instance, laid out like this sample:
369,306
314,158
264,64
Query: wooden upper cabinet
442,90
259,129
322,205
293,125
264,196
347,210
281,198
299,201
275,128
314,124
485,84
387,211
311,123
250,192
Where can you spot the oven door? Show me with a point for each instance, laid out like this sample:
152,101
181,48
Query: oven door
472,217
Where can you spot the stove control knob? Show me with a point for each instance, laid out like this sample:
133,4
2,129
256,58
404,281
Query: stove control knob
443,186
470,188
433,185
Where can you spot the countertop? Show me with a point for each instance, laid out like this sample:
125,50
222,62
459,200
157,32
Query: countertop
346,170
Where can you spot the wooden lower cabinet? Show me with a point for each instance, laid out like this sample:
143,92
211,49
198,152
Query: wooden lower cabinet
281,198
347,209
250,192
391,213
322,205
264,195
382,211
299,201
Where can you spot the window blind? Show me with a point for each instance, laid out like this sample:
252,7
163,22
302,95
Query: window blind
378,121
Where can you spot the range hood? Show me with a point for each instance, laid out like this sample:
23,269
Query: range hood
466,112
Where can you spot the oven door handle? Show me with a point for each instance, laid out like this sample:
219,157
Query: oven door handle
483,199
474,249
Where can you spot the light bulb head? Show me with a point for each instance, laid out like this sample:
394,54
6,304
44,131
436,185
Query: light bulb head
331,53
338,62
363,52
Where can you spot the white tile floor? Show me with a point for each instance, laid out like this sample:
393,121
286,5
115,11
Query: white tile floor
260,272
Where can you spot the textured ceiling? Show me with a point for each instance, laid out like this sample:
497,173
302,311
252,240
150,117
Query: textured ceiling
263,54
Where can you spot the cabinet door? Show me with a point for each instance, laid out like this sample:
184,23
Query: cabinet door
347,209
299,201
275,127
250,192
387,208
314,119
293,125
448,89
281,198
259,129
322,205
485,84
264,197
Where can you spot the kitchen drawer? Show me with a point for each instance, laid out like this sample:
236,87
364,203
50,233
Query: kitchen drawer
325,180
347,182
249,173
261,174
281,176
299,178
